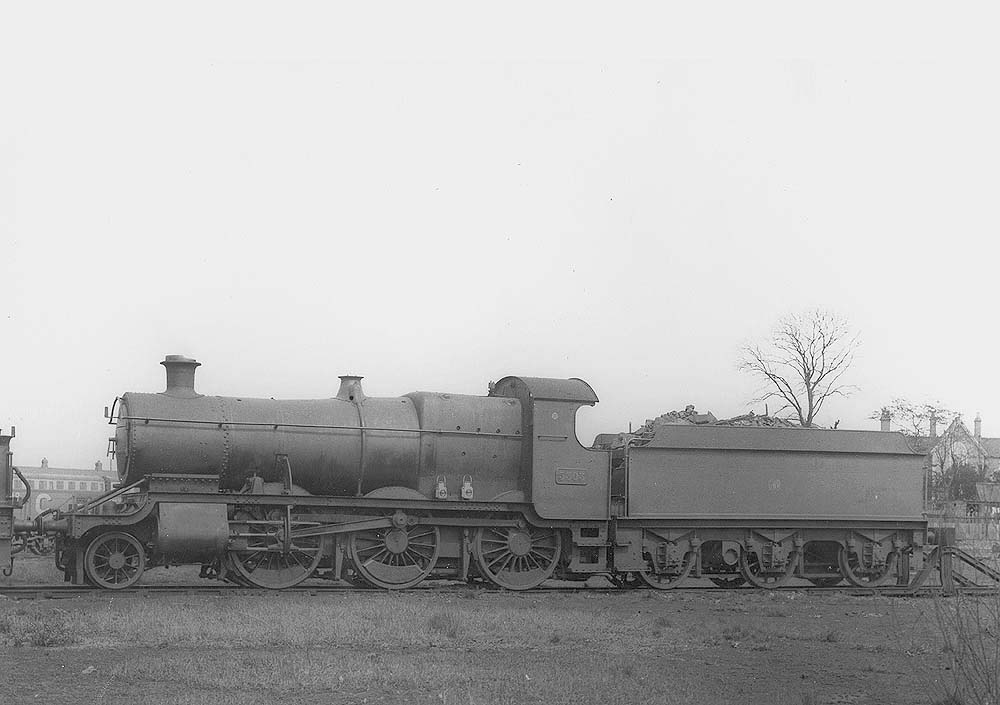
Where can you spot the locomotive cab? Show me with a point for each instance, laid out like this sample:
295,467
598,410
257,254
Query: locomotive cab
567,480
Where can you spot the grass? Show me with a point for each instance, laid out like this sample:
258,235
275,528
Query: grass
970,628
24,627
423,647
447,623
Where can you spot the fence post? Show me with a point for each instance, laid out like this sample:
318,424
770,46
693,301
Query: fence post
946,539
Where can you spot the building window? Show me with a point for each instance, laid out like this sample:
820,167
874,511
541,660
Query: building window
70,485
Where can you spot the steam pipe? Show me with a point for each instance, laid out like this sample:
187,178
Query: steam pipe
27,487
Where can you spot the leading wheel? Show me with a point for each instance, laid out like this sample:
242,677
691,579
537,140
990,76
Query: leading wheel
517,558
115,560
394,558
755,574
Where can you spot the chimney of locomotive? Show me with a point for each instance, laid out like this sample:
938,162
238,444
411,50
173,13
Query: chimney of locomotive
350,389
180,375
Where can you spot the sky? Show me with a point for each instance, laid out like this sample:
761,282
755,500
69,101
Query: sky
438,195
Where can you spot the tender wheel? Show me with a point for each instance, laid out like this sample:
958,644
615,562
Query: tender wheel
114,560
394,558
751,569
266,561
859,576
517,558
668,581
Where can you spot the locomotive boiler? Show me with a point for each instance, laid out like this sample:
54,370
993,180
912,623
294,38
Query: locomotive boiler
349,444
388,492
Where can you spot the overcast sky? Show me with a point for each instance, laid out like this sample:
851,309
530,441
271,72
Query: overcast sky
437,196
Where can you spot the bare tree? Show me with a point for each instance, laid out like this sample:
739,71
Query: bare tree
803,362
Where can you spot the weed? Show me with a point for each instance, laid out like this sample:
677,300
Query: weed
970,626
53,628
555,639
447,623
949,700
661,622
735,632
832,636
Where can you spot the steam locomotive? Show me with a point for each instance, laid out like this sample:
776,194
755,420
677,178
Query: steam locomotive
388,492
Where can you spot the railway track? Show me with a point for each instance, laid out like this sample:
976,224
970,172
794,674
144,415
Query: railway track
60,591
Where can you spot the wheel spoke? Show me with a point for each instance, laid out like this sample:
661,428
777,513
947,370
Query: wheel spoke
504,557
517,558
396,558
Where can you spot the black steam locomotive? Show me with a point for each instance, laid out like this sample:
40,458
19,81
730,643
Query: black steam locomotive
388,492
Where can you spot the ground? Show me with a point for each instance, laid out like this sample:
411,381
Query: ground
472,646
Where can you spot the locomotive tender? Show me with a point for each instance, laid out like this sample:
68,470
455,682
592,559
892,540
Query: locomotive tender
388,492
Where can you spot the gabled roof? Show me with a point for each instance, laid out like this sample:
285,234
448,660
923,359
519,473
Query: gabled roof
992,446
958,429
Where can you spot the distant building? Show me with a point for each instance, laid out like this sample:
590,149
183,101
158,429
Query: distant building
58,488
961,465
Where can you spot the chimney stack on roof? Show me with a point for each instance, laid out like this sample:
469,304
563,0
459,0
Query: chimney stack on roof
933,425
978,426
45,463
886,418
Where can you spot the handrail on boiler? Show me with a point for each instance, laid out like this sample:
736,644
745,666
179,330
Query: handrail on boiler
276,426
